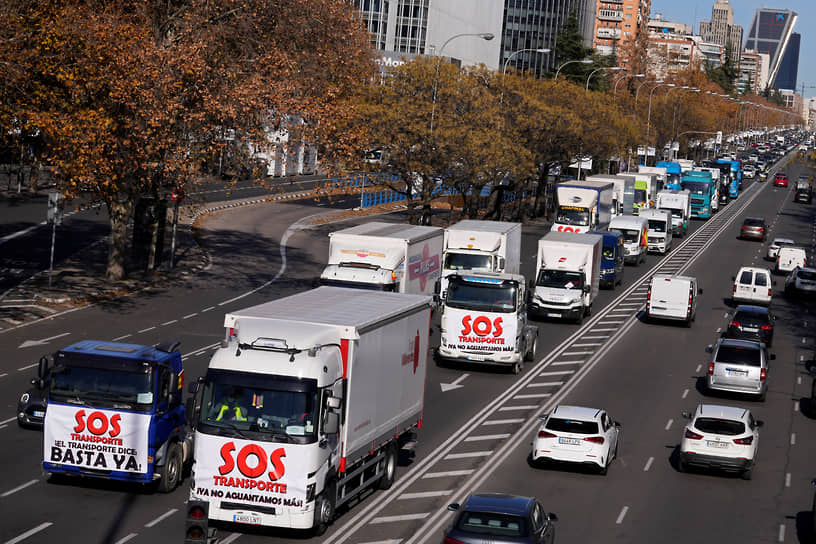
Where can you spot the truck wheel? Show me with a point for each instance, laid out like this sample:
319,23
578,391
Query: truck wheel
516,369
530,355
389,469
588,310
171,471
324,510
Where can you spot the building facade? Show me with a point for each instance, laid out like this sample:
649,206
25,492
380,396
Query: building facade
753,72
770,33
670,49
789,67
618,24
722,30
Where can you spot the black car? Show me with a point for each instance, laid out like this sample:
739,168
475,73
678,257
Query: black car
32,404
752,323
500,519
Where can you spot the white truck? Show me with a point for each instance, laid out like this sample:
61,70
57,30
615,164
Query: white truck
568,273
484,320
635,236
661,173
679,204
583,206
647,185
386,257
659,234
621,183
307,403
481,246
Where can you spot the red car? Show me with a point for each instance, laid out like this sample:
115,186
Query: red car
781,179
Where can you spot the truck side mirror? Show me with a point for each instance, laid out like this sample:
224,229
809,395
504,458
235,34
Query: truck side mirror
189,410
500,263
531,284
333,402
42,367
437,288
699,290
173,392
331,423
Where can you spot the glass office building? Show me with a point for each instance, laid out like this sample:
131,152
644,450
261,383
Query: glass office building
771,32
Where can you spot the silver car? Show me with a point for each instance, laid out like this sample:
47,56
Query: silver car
739,366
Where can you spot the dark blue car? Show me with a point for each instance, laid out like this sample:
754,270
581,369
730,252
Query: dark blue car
500,519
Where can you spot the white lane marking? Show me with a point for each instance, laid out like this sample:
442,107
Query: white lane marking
124,539
545,384
389,541
30,532
796,406
161,518
648,464
503,421
793,439
781,532
599,337
669,424
207,310
605,329
487,437
121,337
556,373
189,316
169,322
425,494
699,367
519,407
577,353
621,515
18,488
562,363
145,330
522,397
725,315
26,367
799,380
466,455
3,375
685,394
231,538
719,329
9,420
404,517
787,479
448,473
587,345
610,322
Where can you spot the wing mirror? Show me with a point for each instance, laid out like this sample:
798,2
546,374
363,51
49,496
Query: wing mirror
699,290
686,414
42,367
552,517
759,423
453,507
773,356
709,349
331,423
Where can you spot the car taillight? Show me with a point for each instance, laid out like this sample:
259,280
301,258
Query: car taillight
735,288
763,373
710,369
649,294
761,229
595,439
545,434
735,324
770,293
744,441
766,328
449,540
692,435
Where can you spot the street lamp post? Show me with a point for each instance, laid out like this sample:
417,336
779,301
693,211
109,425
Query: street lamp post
637,91
514,53
649,116
612,68
582,61
621,78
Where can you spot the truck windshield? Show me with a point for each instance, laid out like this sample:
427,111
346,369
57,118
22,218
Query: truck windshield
673,179
560,279
677,213
657,225
572,215
94,385
468,261
640,196
697,187
481,296
279,410
628,235
608,253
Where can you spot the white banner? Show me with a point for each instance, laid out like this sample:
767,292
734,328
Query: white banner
251,472
93,438
489,332
650,151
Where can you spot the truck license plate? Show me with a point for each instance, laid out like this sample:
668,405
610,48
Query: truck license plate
250,518
476,357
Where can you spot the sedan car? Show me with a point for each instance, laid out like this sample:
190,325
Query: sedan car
739,366
721,437
752,323
500,519
753,228
575,434
781,179
801,280
776,245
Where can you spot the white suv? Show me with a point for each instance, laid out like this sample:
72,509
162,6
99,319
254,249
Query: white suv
722,437
801,281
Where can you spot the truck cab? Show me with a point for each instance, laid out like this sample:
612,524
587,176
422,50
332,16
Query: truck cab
612,254
679,205
659,230
115,412
634,230
583,206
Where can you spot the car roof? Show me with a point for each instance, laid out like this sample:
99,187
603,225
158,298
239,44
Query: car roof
754,219
499,503
791,248
751,309
755,268
576,412
673,277
719,411
783,240
745,344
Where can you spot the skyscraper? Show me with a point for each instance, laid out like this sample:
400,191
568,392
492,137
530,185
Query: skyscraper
722,30
770,33
789,68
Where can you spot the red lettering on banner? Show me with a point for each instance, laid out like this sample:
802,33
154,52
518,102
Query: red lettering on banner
97,423
482,326
226,455
275,458
259,468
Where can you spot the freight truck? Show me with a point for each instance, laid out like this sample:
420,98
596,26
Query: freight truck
307,403
673,173
679,204
385,257
114,412
568,273
622,184
583,206
481,246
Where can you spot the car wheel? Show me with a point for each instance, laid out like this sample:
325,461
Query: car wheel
171,471
813,391
389,469
747,474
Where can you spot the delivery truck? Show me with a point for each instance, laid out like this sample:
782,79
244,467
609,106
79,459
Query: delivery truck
583,206
385,257
612,254
622,184
568,273
634,230
679,204
659,235
307,403
481,246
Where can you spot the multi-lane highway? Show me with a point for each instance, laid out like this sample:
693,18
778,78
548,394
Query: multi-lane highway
476,436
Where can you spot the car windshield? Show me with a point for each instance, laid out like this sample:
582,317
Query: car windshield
468,261
697,187
713,425
82,384
739,355
753,222
572,215
489,523
565,425
657,225
487,297
751,317
560,279
628,235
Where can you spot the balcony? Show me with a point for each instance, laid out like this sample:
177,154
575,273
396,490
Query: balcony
610,15
609,33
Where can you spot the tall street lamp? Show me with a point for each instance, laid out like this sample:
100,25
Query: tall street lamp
582,61
514,53
637,92
611,68
621,78
649,116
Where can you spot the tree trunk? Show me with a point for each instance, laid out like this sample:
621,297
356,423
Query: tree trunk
119,213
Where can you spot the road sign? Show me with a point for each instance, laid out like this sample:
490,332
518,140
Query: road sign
719,137
56,207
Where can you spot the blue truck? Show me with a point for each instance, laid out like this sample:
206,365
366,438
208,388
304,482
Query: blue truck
673,174
735,176
703,193
114,411
612,253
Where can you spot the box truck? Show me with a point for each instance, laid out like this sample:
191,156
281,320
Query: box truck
679,204
568,273
385,257
623,184
659,235
307,403
583,206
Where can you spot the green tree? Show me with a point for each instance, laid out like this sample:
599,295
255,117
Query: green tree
569,46
726,74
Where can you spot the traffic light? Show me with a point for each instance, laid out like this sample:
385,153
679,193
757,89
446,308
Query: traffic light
195,525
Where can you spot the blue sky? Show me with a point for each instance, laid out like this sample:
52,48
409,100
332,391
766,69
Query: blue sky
693,11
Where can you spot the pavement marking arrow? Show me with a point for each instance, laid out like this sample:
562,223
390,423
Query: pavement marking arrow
29,343
454,384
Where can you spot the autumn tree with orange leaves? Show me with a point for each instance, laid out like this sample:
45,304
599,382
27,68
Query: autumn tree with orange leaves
129,96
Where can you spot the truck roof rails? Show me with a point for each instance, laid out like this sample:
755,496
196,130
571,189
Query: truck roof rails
168,346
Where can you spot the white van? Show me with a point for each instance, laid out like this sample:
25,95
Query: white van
789,257
634,229
672,297
659,233
753,285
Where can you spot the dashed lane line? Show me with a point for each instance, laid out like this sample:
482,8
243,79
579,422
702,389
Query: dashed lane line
121,337
481,438
145,330
648,464
448,473
622,515
22,368
30,532
556,372
18,488
520,407
425,494
127,538
161,518
404,517
468,455
536,396
503,421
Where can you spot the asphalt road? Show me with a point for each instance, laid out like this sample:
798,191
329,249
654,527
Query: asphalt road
476,436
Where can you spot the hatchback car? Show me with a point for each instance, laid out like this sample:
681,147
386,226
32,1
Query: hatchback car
575,434
752,323
720,437
500,519
781,179
801,280
739,366
753,285
776,245
753,228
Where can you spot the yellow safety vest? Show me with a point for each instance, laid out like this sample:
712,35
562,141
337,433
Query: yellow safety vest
239,415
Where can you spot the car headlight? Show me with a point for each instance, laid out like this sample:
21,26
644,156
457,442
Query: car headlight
24,398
